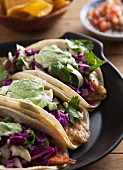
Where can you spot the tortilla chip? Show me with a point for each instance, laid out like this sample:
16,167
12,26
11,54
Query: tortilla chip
49,1
36,8
58,4
13,3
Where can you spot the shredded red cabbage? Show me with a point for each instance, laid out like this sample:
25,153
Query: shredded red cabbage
37,65
84,68
61,117
74,88
40,156
10,163
7,65
89,89
31,52
14,163
85,90
93,103
11,66
80,58
18,138
3,140
17,53
7,82
14,60
42,152
39,138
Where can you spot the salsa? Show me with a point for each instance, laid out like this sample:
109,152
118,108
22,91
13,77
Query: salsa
107,16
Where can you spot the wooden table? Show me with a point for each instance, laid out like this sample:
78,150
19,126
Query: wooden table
112,50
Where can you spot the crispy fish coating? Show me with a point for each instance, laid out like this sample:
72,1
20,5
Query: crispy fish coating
61,160
100,91
78,133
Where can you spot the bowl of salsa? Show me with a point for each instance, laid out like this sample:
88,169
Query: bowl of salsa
104,18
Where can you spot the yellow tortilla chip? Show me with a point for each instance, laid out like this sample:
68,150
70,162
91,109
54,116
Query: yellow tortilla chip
49,1
36,8
58,4
13,3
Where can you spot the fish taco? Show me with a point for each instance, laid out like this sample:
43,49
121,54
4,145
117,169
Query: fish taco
34,97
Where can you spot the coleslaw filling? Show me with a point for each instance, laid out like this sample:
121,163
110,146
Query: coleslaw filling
21,146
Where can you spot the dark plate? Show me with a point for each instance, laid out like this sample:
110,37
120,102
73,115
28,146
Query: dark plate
115,36
106,122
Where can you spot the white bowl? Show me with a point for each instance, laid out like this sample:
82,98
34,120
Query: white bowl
110,35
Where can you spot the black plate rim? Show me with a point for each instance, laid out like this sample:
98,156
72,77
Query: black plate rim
103,57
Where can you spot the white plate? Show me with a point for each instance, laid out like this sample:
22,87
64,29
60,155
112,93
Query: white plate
107,35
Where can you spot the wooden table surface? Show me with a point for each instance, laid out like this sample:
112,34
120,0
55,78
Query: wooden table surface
70,21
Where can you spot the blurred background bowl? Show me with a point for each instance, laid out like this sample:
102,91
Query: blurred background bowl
108,35
35,24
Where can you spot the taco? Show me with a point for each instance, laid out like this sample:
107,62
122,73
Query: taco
71,64
26,143
43,101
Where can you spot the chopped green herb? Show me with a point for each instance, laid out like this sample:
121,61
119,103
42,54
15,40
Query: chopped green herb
62,72
93,61
45,143
8,119
74,102
30,139
78,45
73,106
61,107
19,64
3,74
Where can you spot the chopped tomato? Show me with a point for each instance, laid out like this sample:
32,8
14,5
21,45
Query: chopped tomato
96,13
115,9
103,26
107,15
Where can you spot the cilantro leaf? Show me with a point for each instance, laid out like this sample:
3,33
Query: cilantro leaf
74,102
72,108
64,74
3,74
93,61
8,119
61,107
30,139
19,64
77,45
45,143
